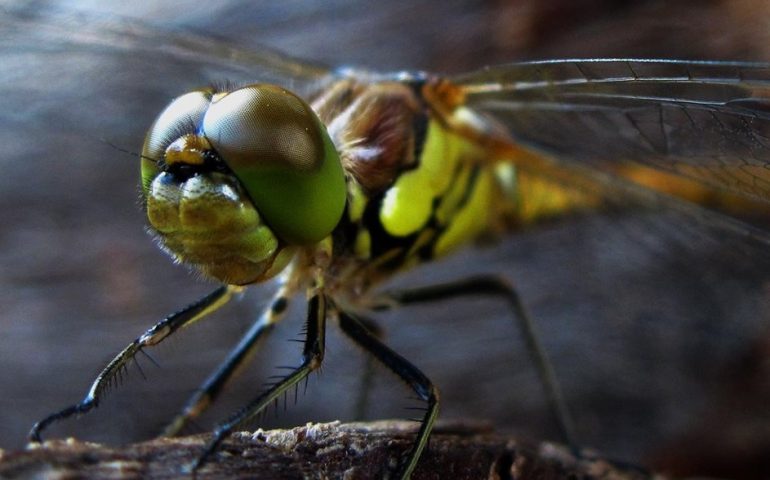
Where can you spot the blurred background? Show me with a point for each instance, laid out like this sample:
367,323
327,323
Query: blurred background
663,349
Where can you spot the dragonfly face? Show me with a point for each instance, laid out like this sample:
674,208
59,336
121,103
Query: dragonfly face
233,179
551,299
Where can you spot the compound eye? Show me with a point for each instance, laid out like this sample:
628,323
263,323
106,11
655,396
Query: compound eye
281,153
183,114
264,124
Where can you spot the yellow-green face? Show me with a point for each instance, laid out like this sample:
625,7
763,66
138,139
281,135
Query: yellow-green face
236,181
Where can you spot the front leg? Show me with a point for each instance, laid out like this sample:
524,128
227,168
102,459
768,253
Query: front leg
151,337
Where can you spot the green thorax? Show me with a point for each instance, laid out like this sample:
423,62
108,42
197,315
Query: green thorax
417,189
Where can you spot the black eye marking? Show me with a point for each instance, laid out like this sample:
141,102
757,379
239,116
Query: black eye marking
212,162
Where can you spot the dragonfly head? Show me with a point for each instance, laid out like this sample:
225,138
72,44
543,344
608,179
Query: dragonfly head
234,182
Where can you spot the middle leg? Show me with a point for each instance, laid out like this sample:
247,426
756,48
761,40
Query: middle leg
213,386
312,357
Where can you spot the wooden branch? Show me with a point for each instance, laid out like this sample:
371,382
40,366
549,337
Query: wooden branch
353,451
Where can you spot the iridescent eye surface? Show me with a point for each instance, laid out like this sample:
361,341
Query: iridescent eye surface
280,152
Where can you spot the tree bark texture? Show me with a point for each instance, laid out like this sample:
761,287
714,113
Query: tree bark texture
352,451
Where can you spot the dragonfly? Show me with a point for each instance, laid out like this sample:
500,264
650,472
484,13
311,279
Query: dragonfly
610,126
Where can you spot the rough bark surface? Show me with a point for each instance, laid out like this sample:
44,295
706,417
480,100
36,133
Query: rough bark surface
353,451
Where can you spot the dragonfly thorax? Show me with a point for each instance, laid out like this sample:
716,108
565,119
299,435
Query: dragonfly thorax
417,189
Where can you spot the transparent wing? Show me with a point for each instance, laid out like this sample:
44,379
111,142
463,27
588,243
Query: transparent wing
52,30
705,120
708,121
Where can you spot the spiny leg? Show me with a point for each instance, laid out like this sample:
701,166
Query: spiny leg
312,356
493,285
362,399
150,338
354,327
213,386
